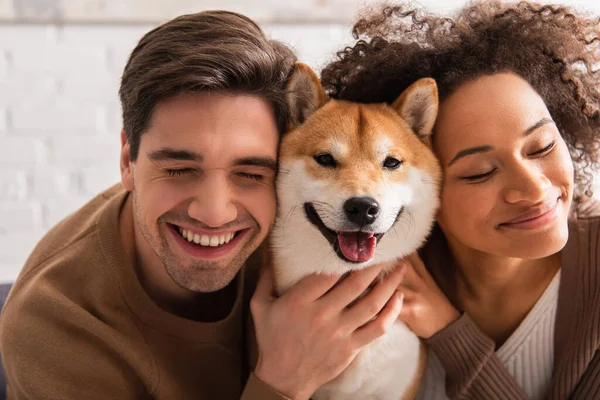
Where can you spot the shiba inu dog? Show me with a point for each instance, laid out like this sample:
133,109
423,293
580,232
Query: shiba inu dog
358,184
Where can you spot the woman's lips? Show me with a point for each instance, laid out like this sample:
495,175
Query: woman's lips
534,218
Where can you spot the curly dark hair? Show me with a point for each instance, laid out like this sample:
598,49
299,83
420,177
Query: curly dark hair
553,47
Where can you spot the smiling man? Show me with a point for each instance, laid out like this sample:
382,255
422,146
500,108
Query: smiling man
203,194
144,293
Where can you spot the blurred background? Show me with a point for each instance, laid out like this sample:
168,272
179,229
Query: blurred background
60,65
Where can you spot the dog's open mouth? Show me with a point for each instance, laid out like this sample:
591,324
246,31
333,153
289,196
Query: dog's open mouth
353,247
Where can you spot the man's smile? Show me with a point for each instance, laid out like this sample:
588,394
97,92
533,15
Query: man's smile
207,246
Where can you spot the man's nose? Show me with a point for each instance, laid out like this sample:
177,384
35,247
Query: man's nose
213,203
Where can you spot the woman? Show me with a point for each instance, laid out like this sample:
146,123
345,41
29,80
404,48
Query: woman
507,294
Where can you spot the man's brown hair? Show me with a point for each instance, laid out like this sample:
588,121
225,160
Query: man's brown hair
208,51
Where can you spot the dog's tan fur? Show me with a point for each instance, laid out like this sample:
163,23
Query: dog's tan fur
359,137
358,126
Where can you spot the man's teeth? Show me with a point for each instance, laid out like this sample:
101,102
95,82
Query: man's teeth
206,240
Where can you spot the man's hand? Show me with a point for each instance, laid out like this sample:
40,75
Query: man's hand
308,336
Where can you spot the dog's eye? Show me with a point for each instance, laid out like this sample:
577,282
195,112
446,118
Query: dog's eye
326,160
391,163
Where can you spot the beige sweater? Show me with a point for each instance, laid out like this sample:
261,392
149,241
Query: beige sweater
473,370
528,354
78,325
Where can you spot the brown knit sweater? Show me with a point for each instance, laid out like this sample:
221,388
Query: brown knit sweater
474,372
78,325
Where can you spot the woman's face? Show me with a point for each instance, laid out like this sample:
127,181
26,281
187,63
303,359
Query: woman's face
508,175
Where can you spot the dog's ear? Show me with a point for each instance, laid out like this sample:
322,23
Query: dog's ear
304,94
418,106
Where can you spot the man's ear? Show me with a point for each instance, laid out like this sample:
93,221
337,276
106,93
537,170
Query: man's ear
126,164
304,94
418,106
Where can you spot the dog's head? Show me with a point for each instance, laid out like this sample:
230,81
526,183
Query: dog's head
358,183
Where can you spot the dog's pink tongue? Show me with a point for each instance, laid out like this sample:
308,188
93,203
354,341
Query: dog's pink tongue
357,246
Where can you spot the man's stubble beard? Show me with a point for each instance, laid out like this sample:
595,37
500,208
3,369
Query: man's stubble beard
202,276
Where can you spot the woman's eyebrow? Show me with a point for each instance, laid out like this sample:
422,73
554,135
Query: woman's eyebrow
541,122
482,149
469,151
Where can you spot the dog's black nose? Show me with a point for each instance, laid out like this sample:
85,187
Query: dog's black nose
361,210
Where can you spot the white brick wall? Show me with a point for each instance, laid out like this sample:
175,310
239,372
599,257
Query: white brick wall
59,126
59,110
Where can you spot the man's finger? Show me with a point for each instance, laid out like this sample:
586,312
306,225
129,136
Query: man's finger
408,293
312,287
351,287
380,325
370,305
264,286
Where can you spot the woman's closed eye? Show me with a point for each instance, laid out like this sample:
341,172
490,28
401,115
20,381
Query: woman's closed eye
483,176
480,177
545,150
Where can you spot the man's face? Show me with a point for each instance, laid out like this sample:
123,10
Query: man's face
203,185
